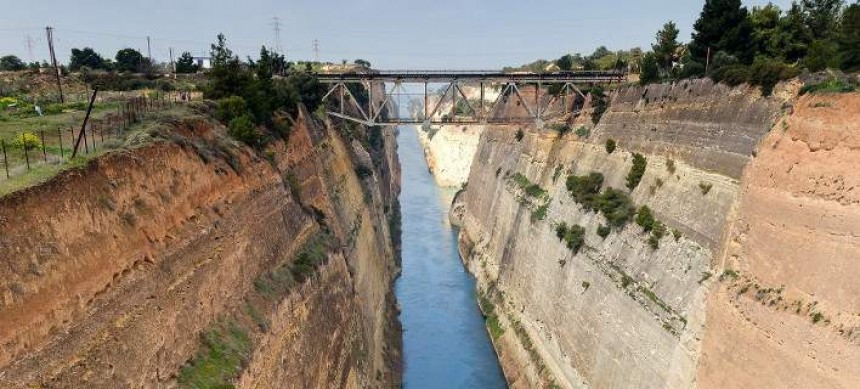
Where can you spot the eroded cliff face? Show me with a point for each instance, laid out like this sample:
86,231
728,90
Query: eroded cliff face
790,317
449,151
140,267
623,313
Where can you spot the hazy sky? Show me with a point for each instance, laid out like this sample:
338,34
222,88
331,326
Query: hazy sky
436,34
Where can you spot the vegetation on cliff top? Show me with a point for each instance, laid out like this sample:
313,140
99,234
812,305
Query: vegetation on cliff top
251,101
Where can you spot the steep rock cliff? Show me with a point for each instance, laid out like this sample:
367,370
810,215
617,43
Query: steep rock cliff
148,265
621,312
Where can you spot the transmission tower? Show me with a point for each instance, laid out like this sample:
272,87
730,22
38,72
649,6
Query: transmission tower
316,50
276,26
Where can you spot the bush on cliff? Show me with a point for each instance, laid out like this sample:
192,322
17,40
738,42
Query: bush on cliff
599,104
645,218
230,108
610,146
574,238
585,189
616,206
637,171
243,129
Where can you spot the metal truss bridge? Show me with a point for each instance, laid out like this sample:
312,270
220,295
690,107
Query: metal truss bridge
542,106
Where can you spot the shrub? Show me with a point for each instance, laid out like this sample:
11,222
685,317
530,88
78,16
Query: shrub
585,189
561,230
230,108
768,73
705,187
676,234
27,141
560,128
226,348
670,166
531,189
520,134
610,146
636,172
582,132
658,230
598,104
645,218
540,213
575,238
616,207
626,280
313,254
603,231
732,75
243,129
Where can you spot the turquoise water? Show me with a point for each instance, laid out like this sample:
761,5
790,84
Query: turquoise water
445,343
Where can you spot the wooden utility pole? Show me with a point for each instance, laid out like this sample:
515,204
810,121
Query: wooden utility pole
148,49
50,32
172,64
82,134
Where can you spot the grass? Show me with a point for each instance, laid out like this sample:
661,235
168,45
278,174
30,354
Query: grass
491,318
226,349
831,86
41,171
653,297
729,273
530,189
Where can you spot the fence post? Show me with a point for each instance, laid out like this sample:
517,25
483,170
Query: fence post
44,150
60,137
5,160
26,152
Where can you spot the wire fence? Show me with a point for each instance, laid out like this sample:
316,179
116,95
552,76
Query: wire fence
31,150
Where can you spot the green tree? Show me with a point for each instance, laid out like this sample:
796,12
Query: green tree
767,33
362,63
650,69
86,57
565,63
795,35
130,60
227,77
185,64
822,16
723,25
822,54
11,63
666,46
849,38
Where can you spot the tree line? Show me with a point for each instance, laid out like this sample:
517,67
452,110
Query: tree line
760,46
126,60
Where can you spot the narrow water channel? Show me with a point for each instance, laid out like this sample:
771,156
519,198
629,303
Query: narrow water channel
445,343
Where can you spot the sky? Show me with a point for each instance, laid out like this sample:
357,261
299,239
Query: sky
404,34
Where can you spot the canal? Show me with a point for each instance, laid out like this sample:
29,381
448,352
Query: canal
445,342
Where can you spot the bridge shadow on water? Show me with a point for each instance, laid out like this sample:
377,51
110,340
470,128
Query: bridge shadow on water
445,342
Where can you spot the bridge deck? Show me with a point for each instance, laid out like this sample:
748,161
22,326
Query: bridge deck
443,76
